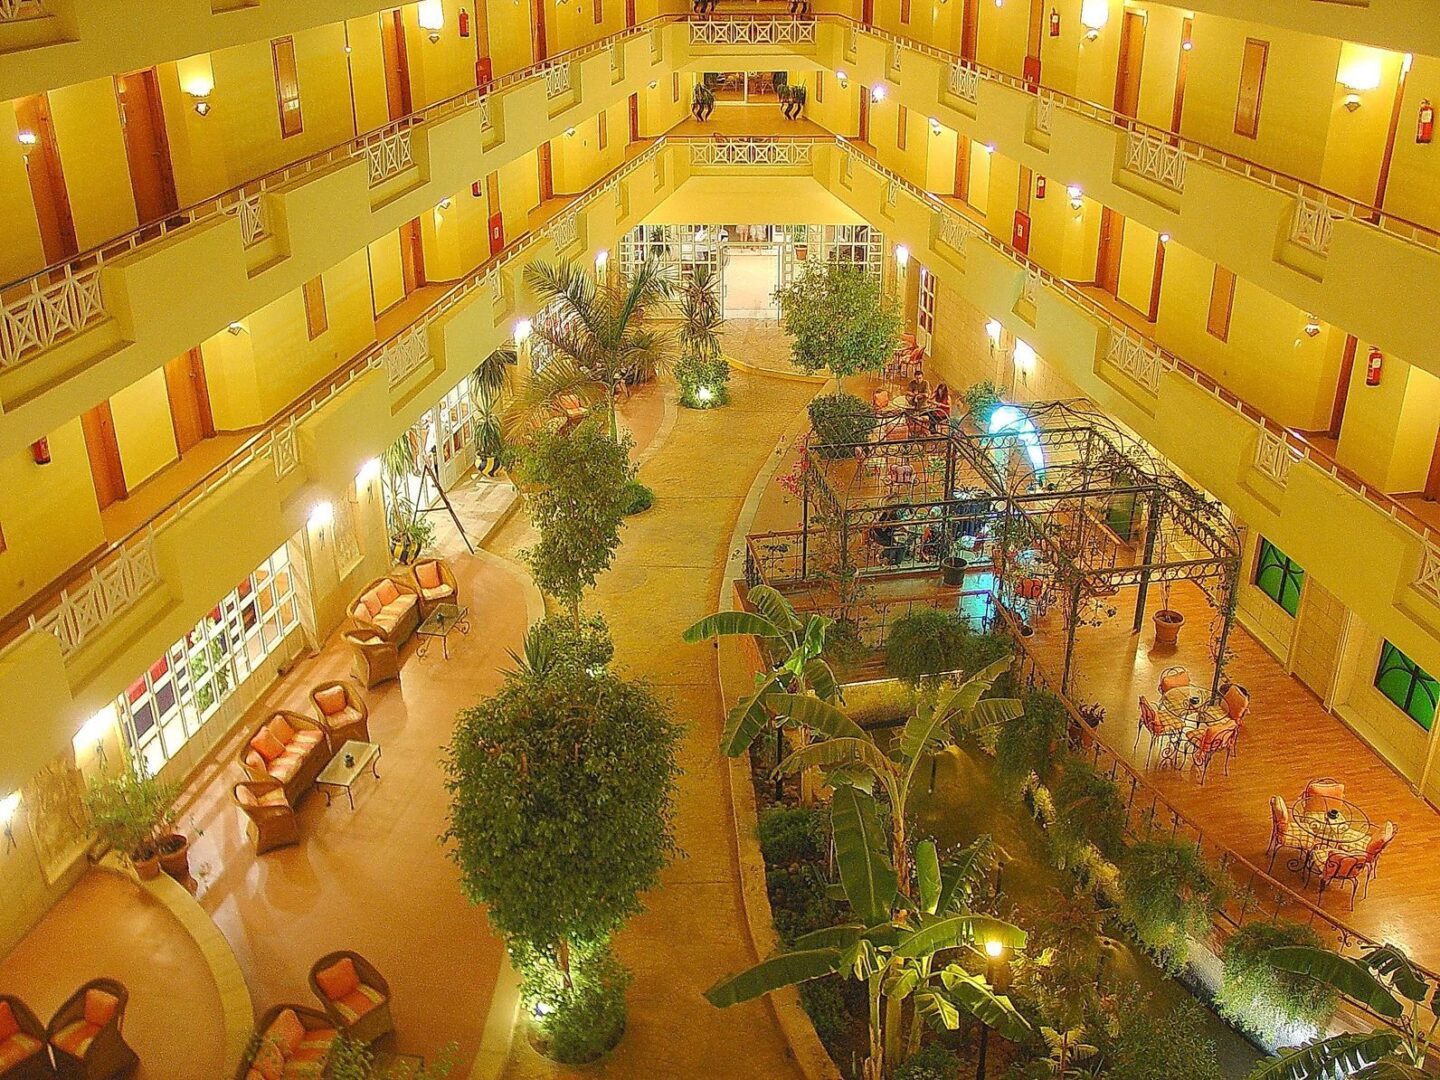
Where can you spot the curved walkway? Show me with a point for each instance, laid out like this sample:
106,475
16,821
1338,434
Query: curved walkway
666,575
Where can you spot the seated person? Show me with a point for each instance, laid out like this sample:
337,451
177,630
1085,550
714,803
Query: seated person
888,535
939,413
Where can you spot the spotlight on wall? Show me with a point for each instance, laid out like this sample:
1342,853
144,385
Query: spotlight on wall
843,79
1187,45
202,106
522,331
1075,196
935,126
92,733
569,133
902,256
322,514
443,204
602,258
236,328
1164,238
368,473
1024,357
27,138
654,83
877,93
430,14
992,331
989,148
1094,14
8,805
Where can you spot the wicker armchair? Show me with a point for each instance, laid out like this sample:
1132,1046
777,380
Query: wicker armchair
342,712
301,756
355,995
303,1038
85,1033
390,606
376,660
22,1042
272,818
435,582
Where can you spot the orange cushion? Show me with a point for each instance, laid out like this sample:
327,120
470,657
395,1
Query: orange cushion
339,979
8,1024
16,1047
254,1074
359,1002
281,729
269,1061
428,574
76,1038
387,591
100,1007
267,745
287,1031
372,602
331,700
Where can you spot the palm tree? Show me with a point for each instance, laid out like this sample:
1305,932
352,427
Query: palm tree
1385,982
599,326
700,314
490,384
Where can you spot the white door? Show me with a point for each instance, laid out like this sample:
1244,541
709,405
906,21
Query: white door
751,278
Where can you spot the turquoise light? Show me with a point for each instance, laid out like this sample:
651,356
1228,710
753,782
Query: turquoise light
1011,420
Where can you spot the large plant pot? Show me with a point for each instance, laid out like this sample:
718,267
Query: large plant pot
146,863
175,856
952,570
1167,626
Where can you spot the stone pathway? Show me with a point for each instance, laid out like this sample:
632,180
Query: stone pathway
666,575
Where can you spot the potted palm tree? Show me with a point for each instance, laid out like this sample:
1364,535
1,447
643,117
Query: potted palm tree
702,372
954,564
131,813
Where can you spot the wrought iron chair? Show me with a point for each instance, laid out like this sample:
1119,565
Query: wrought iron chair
1283,832
1379,841
1171,677
1235,700
1210,742
1324,791
1159,727
1344,867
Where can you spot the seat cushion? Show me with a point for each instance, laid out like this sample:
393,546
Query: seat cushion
371,602
387,592
428,575
345,717
338,980
16,1047
331,700
358,1002
281,729
439,592
8,1024
283,768
286,1031
267,745
269,1062
400,606
100,1006
76,1038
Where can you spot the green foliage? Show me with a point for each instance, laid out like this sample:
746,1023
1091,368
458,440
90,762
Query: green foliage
793,834
1088,810
555,641
1153,1044
981,398
1264,999
351,1059
704,381
581,1022
577,503
1030,743
701,315
931,1062
840,419
212,661
562,788
844,647
840,317
637,498
925,642
129,810
979,651
824,1003
1171,892
799,901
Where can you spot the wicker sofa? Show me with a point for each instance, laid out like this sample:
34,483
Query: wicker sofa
354,994
22,1042
287,1036
375,659
289,748
390,606
85,1033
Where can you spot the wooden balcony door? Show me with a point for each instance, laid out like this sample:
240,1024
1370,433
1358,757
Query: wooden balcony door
1107,259
412,256
634,118
547,172
537,30
484,65
147,148
47,179
98,427
864,135
189,400
397,64
1127,75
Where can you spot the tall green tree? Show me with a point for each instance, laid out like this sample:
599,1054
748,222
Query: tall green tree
575,493
600,327
841,318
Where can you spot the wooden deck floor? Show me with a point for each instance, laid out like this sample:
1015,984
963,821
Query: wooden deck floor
1287,739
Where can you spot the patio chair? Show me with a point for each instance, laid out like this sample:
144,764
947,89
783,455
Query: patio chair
375,659
1158,726
1379,841
1345,868
1172,677
354,994
85,1033
881,399
1235,700
1283,832
22,1042
342,712
1210,741
289,748
271,817
436,583
288,1040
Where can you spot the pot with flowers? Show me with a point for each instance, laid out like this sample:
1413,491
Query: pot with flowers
131,813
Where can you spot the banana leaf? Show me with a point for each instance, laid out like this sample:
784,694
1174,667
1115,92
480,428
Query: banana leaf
1391,964
840,751
748,718
730,623
951,931
975,996
1343,1055
1350,977
787,969
774,607
927,875
861,853
809,711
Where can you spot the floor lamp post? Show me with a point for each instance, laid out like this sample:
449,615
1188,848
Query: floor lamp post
996,969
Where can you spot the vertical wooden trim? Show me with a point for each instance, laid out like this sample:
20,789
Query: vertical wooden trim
1107,255
106,469
599,12
969,30
47,180
1023,193
902,124
1383,180
287,86
545,171
538,46
1222,303
1156,280
1182,72
864,134
395,55
1252,87
905,11
1342,388
1129,68
962,167
1432,479
602,129
483,62
635,117
317,320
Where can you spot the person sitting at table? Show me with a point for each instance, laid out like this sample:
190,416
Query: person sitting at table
885,534
939,412
919,391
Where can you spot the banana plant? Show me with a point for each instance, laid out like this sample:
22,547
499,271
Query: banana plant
851,755
907,952
1385,982
801,669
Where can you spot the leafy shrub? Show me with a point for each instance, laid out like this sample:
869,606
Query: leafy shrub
931,1062
924,642
843,645
793,834
709,374
1259,997
1030,742
981,399
1153,1044
825,1005
799,901
981,650
1088,809
556,639
584,1021
1170,894
636,498
839,419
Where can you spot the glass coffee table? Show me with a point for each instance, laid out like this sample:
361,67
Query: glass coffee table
346,766
438,624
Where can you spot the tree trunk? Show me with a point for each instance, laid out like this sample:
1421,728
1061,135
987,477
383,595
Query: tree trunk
562,957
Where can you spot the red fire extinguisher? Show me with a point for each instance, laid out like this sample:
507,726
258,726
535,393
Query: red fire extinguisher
1372,367
40,450
1054,23
1425,129
1039,187
464,22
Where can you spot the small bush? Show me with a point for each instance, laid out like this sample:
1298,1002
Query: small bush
825,1005
793,834
1089,809
1030,742
843,645
980,651
931,1062
1259,997
799,901
1156,1045
583,1022
924,642
1171,892
704,383
981,399
840,419
636,498
589,647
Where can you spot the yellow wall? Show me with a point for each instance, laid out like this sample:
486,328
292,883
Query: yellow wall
21,253
1355,144
1414,188
1388,436
387,280
143,428
509,35
367,72
1137,265
92,153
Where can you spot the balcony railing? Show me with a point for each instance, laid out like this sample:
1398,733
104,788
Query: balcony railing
19,10
752,150
752,30
53,305
1155,159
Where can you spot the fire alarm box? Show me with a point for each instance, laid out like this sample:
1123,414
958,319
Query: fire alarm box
1373,366
1020,235
497,234
477,189
1425,128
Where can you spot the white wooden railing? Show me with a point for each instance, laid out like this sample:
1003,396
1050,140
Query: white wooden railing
1155,159
1273,457
1044,113
756,151
965,82
557,80
952,231
406,353
564,231
1136,358
752,31
84,609
251,212
388,154
47,313
1312,225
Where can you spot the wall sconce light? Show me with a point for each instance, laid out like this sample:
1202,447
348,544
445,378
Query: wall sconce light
92,733
1359,73
654,83
1312,326
27,138
602,257
40,451
8,805
935,126
1164,238
877,93
236,328
1024,357
368,473
202,105
443,204
989,148
992,331
1187,45
1351,102
843,79
322,514
522,331
197,78
1094,14
569,133
1075,196
430,14
902,256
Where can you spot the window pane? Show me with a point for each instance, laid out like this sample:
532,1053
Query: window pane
1407,685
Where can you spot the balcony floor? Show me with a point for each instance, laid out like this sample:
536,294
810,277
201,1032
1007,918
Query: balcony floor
756,119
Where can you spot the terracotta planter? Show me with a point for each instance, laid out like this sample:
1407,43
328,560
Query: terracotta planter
175,858
146,864
1167,626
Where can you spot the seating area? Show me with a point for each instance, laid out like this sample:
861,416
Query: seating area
1191,728
290,1040
84,1040
1333,840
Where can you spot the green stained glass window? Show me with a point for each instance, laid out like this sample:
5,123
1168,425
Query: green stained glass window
1279,577
1408,685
